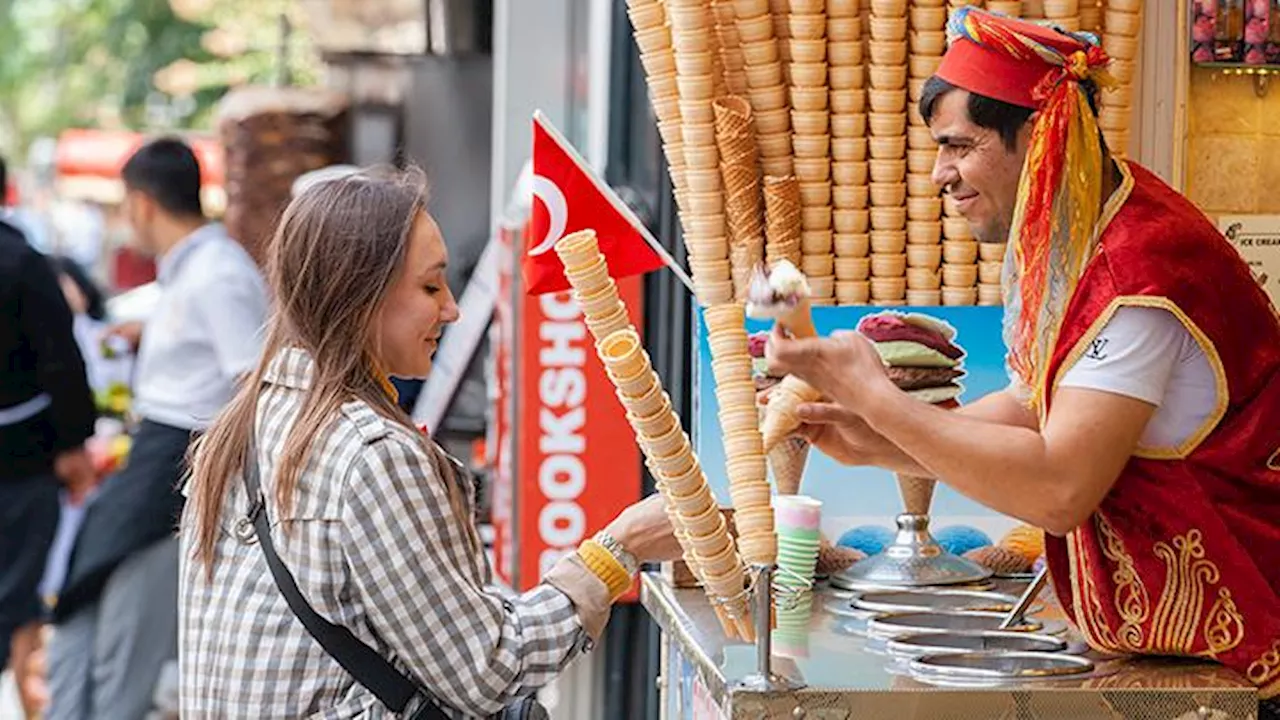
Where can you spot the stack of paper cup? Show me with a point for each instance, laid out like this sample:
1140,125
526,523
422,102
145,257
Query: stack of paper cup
766,88
1122,28
887,147
743,202
811,143
782,217
703,222
1091,15
739,422
928,20
846,75
798,519
653,37
735,65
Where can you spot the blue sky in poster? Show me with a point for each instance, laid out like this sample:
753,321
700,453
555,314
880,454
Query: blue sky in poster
858,496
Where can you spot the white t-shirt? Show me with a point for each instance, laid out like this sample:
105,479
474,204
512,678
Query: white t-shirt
1148,354
205,333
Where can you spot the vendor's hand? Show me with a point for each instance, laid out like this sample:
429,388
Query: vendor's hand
844,366
75,469
130,332
840,434
645,531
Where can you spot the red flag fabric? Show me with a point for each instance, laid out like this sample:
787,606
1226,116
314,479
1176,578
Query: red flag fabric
567,198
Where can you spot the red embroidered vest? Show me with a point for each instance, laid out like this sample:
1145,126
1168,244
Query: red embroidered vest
1183,555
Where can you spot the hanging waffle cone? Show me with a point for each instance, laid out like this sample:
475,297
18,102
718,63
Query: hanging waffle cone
782,219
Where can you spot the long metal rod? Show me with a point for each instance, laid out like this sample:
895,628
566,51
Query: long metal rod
1029,596
764,621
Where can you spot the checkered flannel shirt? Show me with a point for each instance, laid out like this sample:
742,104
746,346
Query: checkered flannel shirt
374,547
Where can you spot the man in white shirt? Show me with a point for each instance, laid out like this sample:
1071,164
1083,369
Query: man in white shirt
116,615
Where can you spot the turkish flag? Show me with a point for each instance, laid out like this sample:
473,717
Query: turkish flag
568,197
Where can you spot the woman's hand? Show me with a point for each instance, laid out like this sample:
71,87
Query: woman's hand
645,531
844,367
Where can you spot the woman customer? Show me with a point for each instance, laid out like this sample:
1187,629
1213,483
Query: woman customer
373,520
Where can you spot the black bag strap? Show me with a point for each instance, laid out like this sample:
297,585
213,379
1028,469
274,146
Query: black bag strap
392,687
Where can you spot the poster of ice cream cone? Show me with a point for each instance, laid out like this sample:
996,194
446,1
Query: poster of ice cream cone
939,355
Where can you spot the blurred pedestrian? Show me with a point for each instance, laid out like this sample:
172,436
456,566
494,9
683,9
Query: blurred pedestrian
116,615
46,414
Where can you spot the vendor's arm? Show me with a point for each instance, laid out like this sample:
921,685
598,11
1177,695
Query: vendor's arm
1054,479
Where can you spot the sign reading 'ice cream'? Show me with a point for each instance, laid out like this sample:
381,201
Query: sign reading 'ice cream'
1257,238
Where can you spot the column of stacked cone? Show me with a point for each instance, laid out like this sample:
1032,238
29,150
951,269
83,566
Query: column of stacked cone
954,5
743,444
850,195
743,200
1012,8
766,88
1033,10
924,208
1063,13
990,267
653,37
1122,24
696,518
811,143
887,147
780,11
1091,15
731,59
696,59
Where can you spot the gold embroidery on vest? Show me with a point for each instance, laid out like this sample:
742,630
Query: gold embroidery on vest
1131,600
1178,613
1223,626
1266,667
1273,463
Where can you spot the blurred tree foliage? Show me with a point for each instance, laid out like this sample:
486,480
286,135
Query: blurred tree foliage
137,64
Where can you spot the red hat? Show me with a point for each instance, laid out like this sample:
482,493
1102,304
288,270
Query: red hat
1006,59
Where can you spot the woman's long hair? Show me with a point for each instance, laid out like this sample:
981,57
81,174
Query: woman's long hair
337,249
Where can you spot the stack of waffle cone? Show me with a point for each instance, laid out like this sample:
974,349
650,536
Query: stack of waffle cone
697,63
1012,8
744,448
887,99
778,11
735,66
766,89
1091,15
924,208
1122,24
1062,13
696,517
850,220
782,211
811,143
653,37
739,170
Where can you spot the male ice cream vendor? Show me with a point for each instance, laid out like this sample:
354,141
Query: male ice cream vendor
1141,429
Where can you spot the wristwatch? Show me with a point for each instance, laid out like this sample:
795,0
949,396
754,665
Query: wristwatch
621,554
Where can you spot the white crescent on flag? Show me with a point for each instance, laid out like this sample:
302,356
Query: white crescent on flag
557,210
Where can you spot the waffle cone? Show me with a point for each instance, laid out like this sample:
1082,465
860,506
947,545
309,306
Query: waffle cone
781,418
782,211
744,256
787,462
917,493
835,558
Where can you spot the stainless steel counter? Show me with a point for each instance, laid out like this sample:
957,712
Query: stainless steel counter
846,675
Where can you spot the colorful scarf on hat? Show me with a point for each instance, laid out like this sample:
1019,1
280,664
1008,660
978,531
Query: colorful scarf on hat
1052,235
